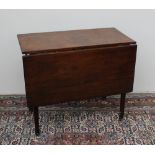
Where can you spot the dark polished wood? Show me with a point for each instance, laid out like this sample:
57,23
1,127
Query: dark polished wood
30,108
122,106
104,98
74,65
58,77
36,120
33,43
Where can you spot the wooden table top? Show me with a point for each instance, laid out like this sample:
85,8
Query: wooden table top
70,40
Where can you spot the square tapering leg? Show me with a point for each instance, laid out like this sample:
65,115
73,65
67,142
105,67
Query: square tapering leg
30,108
104,97
36,120
122,106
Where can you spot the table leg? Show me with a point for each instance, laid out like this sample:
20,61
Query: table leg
122,105
104,97
36,120
30,108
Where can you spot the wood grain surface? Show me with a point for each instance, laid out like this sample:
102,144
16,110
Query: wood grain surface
71,40
65,76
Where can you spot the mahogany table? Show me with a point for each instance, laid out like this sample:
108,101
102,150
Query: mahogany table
77,64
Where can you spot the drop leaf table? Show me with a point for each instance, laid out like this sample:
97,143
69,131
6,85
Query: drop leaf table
76,64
